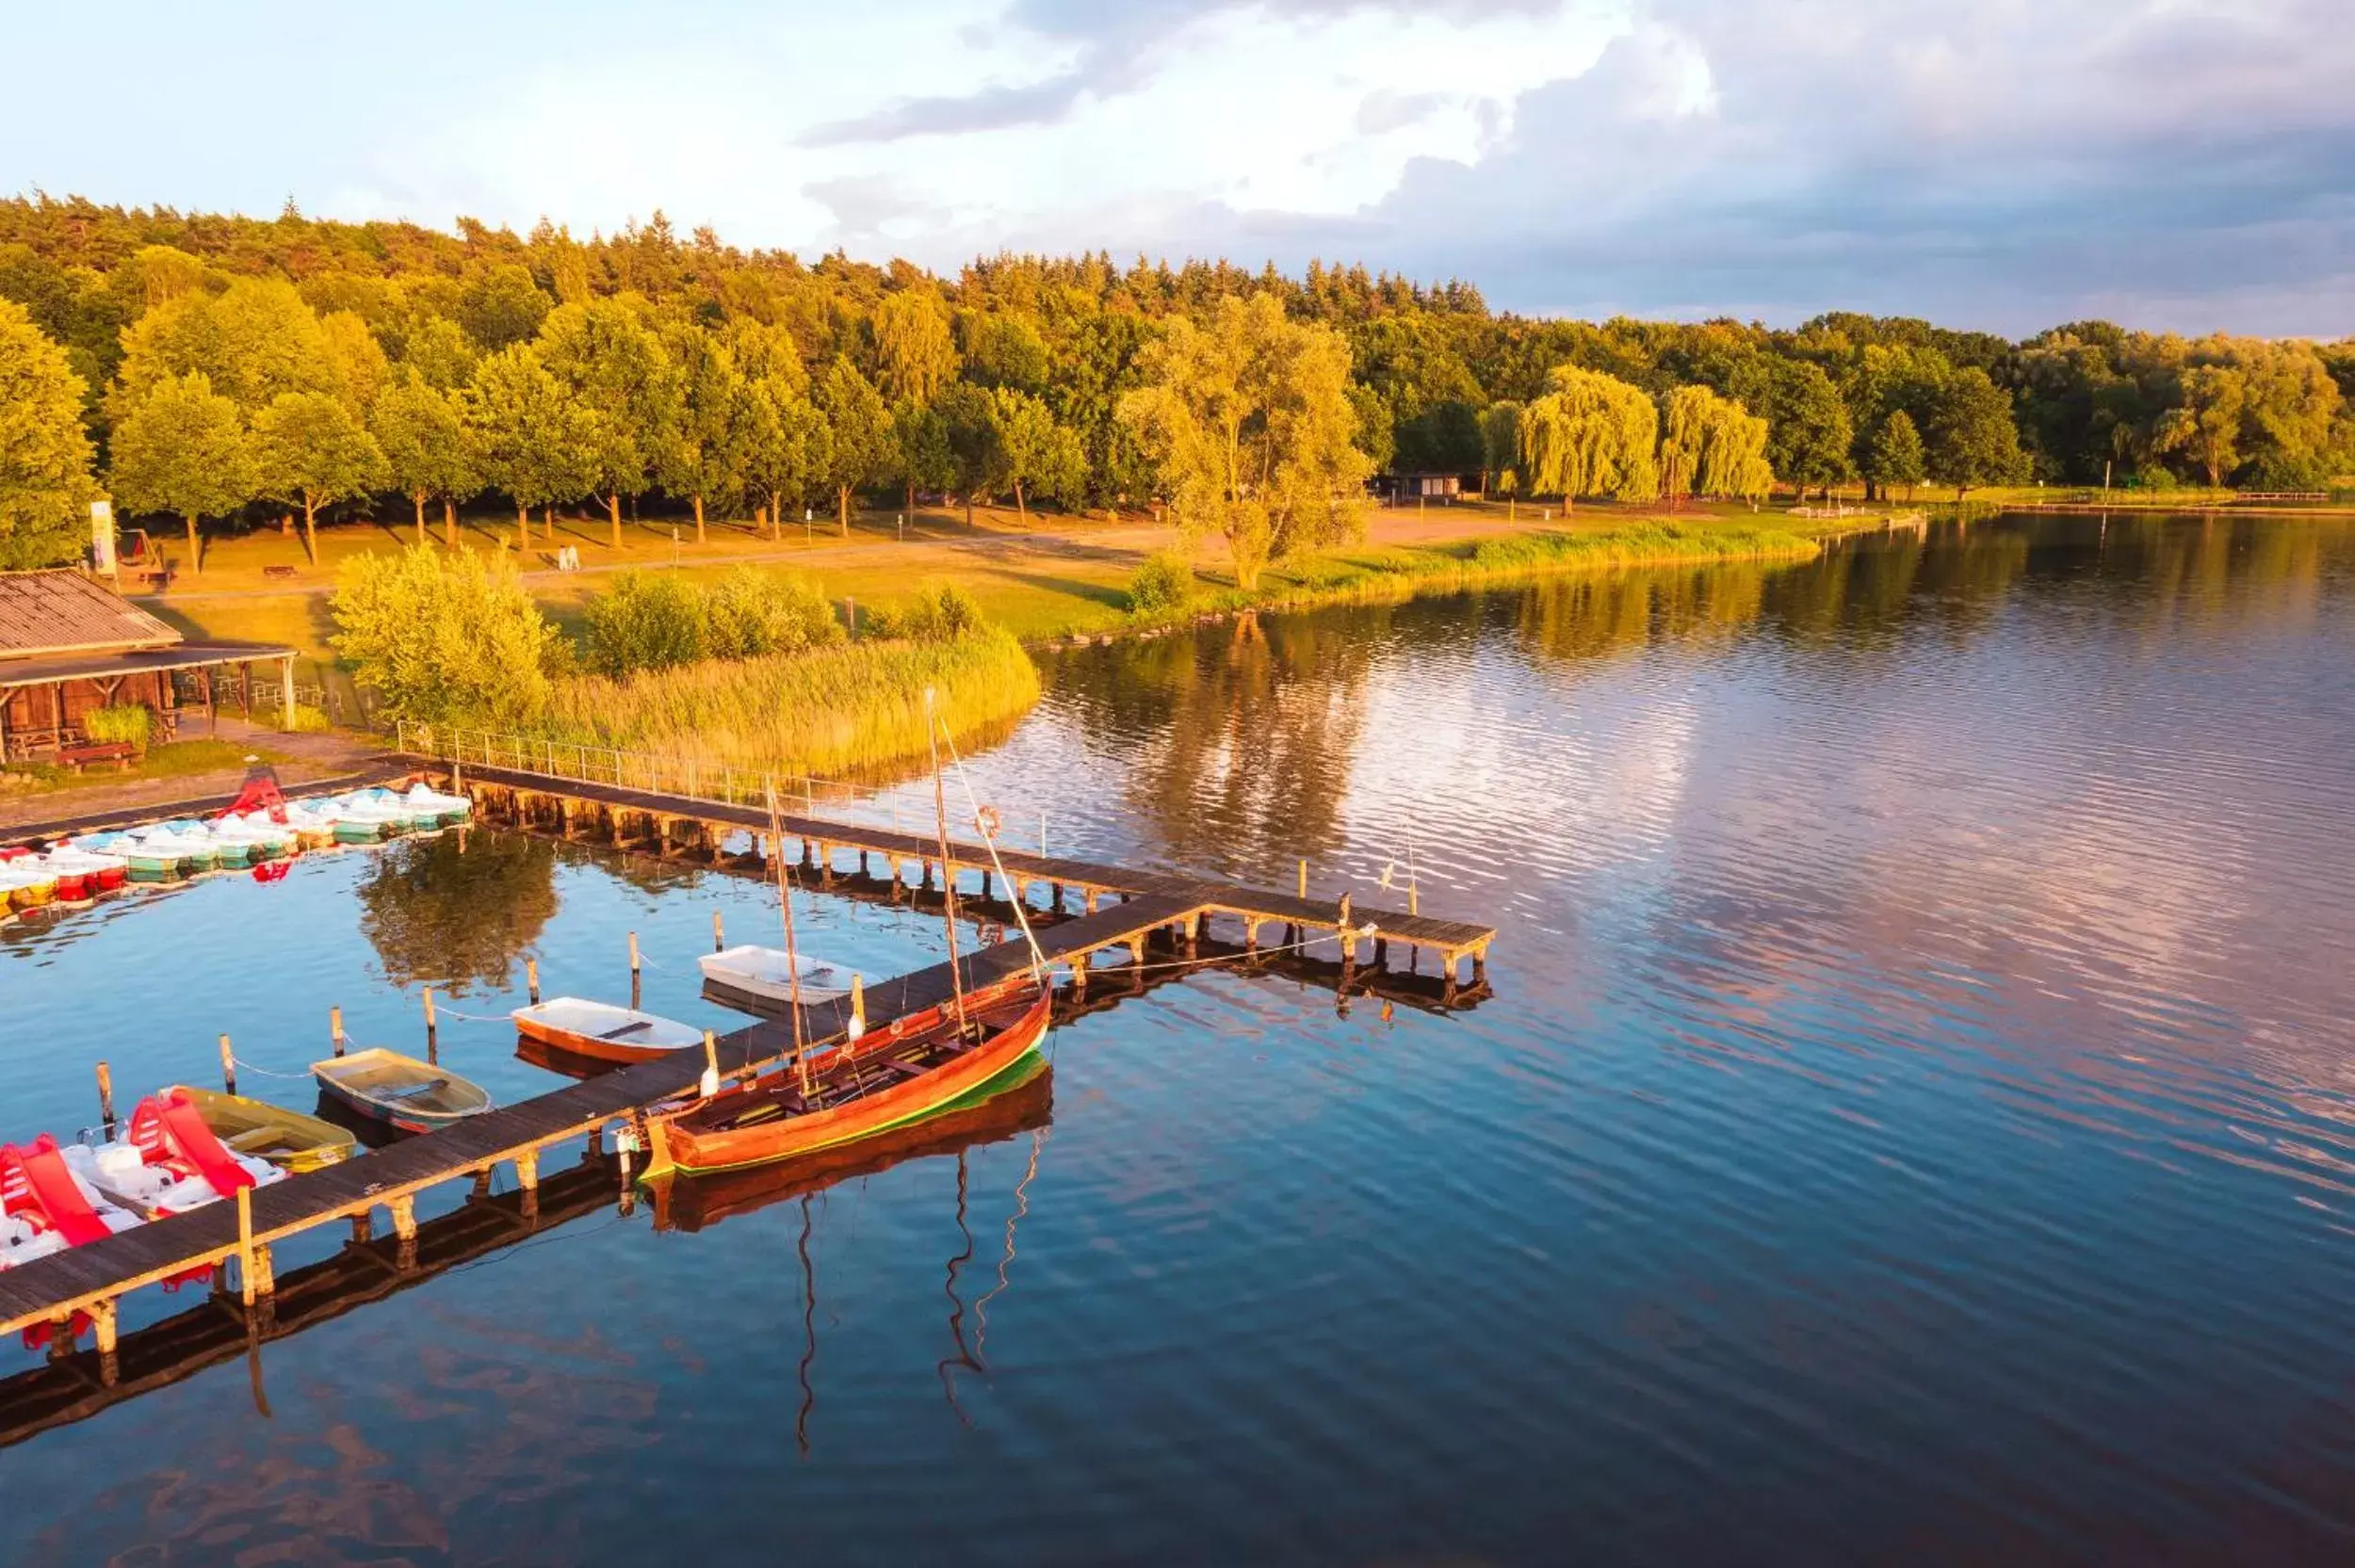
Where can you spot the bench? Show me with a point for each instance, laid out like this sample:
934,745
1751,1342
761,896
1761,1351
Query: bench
120,753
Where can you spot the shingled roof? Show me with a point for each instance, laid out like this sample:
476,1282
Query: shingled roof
64,612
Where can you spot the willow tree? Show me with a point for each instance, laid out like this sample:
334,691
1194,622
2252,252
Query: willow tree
1250,423
1712,445
45,453
1591,434
179,446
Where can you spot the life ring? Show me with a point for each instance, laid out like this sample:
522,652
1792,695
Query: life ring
987,820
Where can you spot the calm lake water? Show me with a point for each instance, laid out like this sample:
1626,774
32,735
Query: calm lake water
1913,1122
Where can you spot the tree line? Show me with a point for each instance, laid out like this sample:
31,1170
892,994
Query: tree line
221,369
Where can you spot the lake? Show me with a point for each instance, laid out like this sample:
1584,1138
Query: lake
1914,1120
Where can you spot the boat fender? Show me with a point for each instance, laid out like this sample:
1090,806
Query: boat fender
708,1086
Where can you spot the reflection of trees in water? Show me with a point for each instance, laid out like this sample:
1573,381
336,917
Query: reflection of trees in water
461,907
1248,727
1584,618
2217,572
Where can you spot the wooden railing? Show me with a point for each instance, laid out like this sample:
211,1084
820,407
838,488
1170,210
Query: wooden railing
657,774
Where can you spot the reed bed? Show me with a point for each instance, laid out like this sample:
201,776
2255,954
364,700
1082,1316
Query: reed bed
1401,573
853,710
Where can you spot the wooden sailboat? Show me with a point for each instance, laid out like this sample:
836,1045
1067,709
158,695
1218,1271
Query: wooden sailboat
955,1054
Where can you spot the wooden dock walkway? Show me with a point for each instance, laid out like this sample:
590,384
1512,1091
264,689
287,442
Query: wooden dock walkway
680,824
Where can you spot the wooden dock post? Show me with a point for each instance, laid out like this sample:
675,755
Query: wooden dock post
718,933
228,1066
1303,878
106,1100
531,980
245,1242
433,1040
636,990
103,1320
1080,974
335,1029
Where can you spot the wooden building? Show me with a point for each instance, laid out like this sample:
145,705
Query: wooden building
69,645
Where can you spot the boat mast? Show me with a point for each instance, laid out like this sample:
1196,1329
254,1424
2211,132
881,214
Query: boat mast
948,867
792,957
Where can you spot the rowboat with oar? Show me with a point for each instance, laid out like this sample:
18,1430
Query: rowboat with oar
924,1064
602,1031
397,1090
255,1128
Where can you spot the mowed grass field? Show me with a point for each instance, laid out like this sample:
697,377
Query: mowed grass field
1056,575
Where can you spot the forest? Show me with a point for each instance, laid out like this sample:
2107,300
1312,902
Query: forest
227,372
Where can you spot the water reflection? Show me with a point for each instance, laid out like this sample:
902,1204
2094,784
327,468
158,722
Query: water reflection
458,909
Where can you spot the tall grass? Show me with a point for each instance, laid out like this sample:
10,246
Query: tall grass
1401,573
851,710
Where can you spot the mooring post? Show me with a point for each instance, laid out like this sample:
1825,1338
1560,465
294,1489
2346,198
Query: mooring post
1303,878
335,1029
718,933
1058,887
245,1241
404,1212
635,991
710,1084
101,1315
228,1067
858,1007
531,980
106,1100
364,1227
433,1040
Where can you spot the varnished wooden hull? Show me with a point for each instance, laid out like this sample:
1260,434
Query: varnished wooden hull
1001,1061
1026,1100
590,1048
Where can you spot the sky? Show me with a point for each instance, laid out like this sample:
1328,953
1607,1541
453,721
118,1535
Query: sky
2005,165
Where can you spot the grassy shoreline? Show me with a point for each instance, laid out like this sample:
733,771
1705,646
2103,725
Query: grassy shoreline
1397,575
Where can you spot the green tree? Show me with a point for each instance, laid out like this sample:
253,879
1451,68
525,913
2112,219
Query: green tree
1006,350
1712,445
859,433
645,621
2207,425
749,613
1970,440
253,341
45,453
310,451
977,447
536,440
430,450
1896,457
1591,434
606,355
1499,443
180,447
1445,438
1042,458
787,445
921,436
1375,435
503,306
916,355
1808,433
1249,419
720,423
447,636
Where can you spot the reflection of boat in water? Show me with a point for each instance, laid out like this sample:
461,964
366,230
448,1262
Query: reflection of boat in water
691,1202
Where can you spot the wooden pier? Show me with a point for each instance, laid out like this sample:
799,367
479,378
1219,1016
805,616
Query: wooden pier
1122,911
679,826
